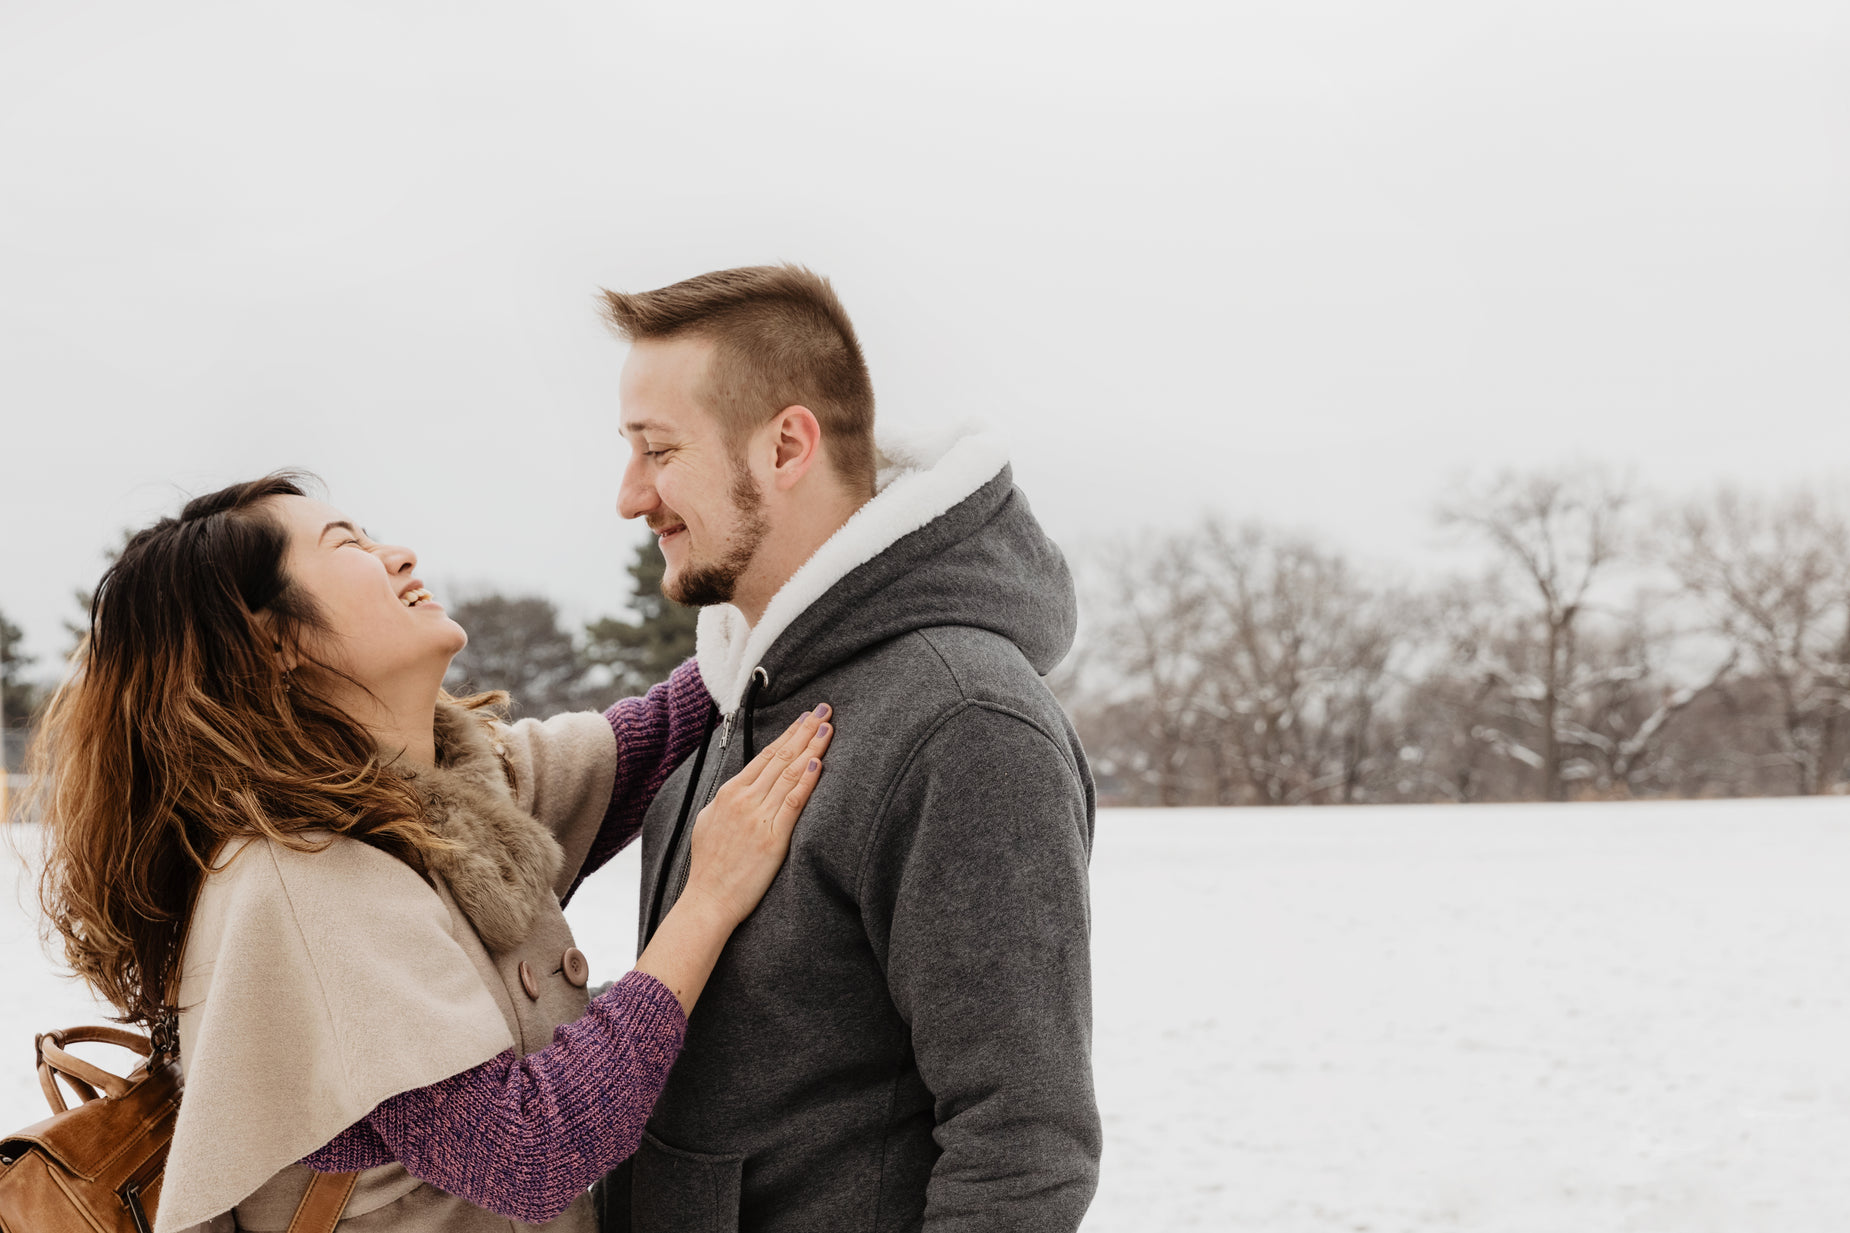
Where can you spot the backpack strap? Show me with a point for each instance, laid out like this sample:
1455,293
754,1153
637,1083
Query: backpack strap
321,1208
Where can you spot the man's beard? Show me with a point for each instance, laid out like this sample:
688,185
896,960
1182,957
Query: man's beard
702,585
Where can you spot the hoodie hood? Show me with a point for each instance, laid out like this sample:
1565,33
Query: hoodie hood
947,540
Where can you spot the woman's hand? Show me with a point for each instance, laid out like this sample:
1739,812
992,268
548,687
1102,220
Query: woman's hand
738,845
741,838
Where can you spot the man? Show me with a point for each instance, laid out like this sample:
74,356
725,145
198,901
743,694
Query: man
900,1037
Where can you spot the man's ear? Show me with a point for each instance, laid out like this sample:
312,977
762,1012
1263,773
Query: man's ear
798,438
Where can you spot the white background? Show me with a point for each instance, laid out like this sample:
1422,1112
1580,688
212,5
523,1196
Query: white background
1310,261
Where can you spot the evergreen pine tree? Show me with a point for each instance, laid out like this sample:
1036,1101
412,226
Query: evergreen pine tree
642,652
516,644
19,697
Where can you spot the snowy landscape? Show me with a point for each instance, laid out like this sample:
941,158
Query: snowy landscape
1506,1019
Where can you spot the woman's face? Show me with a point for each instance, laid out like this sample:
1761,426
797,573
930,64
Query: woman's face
365,591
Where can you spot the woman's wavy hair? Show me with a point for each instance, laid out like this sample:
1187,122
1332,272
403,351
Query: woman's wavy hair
179,729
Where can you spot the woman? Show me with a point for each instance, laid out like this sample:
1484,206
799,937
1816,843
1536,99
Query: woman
265,818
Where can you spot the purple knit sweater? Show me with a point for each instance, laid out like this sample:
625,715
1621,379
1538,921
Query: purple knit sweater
523,1137
655,734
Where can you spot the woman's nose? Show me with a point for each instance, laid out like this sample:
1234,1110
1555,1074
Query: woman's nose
399,559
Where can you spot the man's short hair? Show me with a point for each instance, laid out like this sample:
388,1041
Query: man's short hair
781,338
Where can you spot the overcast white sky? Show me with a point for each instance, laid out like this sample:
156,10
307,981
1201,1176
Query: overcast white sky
1309,260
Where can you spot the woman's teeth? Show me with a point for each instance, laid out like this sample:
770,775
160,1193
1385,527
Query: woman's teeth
412,599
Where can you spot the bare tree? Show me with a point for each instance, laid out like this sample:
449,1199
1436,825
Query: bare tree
1152,639
1236,665
1620,704
1557,534
1247,667
1297,652
1775,576
1461,730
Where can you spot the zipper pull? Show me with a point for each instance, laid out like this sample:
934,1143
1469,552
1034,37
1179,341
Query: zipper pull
725,731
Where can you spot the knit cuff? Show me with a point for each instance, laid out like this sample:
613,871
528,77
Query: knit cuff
648,1010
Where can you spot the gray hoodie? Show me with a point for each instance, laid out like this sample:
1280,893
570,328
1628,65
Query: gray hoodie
900,1037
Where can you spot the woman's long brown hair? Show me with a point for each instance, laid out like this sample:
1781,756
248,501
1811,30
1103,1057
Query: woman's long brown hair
180,729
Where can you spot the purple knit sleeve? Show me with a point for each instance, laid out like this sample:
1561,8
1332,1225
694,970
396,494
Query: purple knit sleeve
655,734
524,1137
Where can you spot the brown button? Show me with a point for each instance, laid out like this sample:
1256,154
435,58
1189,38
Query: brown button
577,967
527,983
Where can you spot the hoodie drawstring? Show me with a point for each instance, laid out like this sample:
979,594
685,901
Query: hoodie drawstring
680,825
759,677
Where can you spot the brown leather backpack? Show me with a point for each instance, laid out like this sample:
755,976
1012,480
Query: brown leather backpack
97,1168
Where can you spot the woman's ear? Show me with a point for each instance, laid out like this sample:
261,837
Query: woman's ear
286,656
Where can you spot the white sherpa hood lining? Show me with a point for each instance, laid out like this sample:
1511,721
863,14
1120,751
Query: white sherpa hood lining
918,481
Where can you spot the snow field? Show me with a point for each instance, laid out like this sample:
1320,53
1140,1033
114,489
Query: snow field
1507,1019
1524,1019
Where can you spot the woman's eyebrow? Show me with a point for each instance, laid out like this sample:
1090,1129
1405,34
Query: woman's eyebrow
344,525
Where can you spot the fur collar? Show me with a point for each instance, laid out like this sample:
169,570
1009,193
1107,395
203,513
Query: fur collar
506,863
918,481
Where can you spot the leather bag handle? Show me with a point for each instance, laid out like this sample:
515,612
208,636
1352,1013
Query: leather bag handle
134,1042
48,1083
86,1080
322,1204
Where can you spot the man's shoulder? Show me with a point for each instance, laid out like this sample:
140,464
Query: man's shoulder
957,661
983,663
933,676
979,732
928,672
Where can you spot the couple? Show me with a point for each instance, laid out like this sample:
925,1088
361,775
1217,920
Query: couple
863,995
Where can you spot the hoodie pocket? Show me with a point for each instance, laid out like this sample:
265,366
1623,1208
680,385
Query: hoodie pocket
676,1191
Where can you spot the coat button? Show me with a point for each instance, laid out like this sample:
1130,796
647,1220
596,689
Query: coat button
530,986
577,967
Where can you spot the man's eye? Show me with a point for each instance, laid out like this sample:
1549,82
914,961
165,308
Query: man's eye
653,453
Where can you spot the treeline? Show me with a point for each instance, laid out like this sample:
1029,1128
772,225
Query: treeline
1603,645
1607,646
518,643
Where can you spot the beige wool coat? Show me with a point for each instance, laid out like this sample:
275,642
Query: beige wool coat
316,985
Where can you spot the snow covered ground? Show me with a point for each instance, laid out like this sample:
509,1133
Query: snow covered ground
1525,1019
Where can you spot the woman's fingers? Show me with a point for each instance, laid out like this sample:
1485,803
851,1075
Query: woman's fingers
740,840
790,751
742,836
790,791
805,723
803,777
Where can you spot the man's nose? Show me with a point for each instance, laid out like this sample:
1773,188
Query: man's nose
636,495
